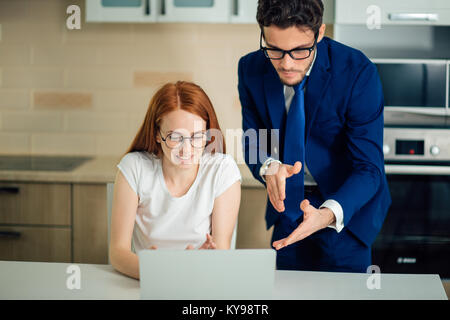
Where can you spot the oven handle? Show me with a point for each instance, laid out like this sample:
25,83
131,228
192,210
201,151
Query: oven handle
413,16
441,112
417,169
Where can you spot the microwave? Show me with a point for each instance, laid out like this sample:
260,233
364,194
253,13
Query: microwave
416,92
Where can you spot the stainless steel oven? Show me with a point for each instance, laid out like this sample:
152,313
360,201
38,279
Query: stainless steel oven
416,92
415,237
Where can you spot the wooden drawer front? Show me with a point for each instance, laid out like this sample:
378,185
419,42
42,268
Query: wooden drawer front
90,224
251,227
41,204
35,244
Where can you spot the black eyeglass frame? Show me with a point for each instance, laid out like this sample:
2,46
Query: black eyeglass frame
289,52
185,138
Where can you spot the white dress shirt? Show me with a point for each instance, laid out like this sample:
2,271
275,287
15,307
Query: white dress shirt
331,204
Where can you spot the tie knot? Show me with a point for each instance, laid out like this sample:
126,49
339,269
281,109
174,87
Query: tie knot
300,86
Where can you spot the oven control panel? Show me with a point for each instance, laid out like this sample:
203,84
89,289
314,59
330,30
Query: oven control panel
416,144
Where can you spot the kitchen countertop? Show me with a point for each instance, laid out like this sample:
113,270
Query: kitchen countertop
97,170
103,170
39,280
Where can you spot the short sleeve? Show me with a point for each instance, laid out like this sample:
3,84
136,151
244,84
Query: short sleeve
129,166
228,174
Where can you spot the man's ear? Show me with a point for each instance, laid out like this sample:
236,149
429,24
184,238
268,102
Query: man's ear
321,32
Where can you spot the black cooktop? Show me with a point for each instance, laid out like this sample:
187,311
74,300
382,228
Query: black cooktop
41,163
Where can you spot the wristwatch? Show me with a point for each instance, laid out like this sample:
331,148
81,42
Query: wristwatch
265,167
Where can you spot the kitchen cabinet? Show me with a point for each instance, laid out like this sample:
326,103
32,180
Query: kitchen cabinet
158,11
209,11
217,11
244,11
399,12
90,223
121,10
35,222
43,244
251,231
35,204
53,222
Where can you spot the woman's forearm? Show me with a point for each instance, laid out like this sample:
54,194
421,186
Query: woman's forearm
125,262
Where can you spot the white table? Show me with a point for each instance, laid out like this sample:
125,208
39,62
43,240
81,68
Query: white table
39,280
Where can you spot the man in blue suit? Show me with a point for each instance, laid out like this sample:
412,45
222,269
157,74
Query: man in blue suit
320,158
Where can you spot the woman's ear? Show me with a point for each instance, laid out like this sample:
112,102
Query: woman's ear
158,136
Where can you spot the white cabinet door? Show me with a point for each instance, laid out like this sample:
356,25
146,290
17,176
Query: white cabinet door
244,11
398,12
121,10
217,11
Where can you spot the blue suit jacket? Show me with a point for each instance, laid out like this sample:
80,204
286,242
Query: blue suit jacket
344,130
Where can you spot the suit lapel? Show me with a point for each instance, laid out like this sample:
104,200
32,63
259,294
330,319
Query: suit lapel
317,85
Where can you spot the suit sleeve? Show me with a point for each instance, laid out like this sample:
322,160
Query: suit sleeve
251,123
364,132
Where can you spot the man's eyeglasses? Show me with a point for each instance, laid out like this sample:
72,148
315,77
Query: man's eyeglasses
296,54
175,140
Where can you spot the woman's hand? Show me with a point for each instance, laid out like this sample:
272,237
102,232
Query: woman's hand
208,244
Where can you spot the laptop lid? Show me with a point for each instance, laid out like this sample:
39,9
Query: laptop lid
245,274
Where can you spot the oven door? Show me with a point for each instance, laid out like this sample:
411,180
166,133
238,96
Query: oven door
415,237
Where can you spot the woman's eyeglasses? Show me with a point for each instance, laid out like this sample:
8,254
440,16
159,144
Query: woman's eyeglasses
175,140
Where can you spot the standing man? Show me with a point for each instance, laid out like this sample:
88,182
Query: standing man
327,190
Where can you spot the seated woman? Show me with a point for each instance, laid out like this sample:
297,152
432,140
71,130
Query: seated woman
175,188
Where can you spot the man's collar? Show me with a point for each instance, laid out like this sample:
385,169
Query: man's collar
312,64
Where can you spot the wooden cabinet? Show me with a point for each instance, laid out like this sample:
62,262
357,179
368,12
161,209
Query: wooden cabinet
30,243
446,284
53,222
35,203
35,222
251,231
90,223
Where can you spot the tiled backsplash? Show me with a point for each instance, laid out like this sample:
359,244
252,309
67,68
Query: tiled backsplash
85,92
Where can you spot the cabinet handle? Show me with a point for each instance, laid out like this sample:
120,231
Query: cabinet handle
9,190
236,7
163,7
10,235
413,17
147,7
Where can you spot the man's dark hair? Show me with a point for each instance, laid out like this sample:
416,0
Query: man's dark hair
288,13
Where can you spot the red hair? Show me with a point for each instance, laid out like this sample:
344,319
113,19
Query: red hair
174,96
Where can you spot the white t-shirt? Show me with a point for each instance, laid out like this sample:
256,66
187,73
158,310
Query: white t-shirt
175,222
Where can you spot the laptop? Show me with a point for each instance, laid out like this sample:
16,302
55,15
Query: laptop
243,274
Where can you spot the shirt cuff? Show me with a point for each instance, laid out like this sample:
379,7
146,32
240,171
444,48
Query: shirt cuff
336,208
263,169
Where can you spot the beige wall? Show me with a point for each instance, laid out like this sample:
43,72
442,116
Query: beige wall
85,92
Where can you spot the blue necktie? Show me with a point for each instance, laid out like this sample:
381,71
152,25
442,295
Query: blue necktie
294,150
